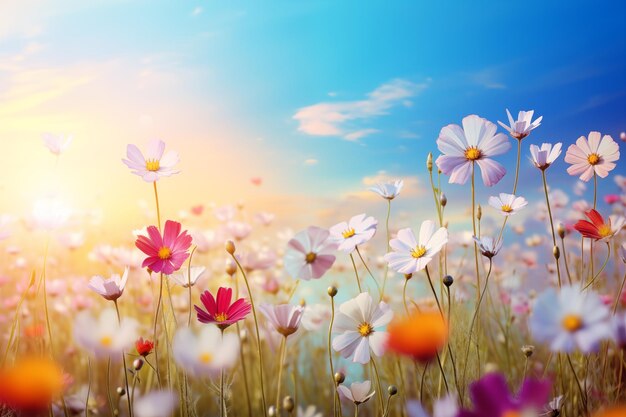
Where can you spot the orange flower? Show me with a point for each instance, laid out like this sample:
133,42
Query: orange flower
421,335
612,412
30,384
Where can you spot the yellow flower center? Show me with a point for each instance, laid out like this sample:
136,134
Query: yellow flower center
205,358
221,317
418,252
348,233
365,329
310,257
106,341
593,159
506,208
605,230
165,253
472,153
152,164
572,322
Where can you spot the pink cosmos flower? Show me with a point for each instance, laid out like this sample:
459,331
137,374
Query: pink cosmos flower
476,143
285,318
611,199
219,310
165,253
594,156
57,144
110,289
309,254
155,164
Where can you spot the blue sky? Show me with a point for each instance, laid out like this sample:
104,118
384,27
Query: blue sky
237,74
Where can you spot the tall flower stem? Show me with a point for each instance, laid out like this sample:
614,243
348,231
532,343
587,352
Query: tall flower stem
367,268
88,387
554,245
583,395
130,405
569,275
108,383
473,185
593,279
281,361
155,334
258,334
519,155
378,386
244,370
222,402
382,294
330,358
158,209
406,307
619,294
189,285
356,274
432,287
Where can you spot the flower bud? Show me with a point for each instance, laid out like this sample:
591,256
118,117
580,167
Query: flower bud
339,377
528,350
429,162
230,247
479,212
120,391
443,200
332,291
231,268
138,364
561,230
392,390
556,252
448,280
408,276
288,404
272,412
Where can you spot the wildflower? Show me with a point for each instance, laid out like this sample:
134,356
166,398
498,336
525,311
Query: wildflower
57,144
166,253
30,385
508,204
219,310
264,218
358,393
348,235
524,124
104,336
597,228
155,404
420,336
310,411
611,199
593,156
488,246
477,142
189,278
110,289
206,353
544,157
618,411
315,316
155,164
309,254
410,255
360,321
388,190
238,230
570,319
144,346
491,397
444,407
285,318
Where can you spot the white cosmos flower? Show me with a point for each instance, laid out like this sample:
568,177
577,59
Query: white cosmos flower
188,278
348,235
104,336
507,204
488,246
358,393
56,144
388,190
310,411
110,289
360,321
544,157
570,319
411,255
314,316
206,353
155,404
155,164
524,124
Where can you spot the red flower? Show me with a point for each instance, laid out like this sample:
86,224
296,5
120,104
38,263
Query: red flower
221,311
165,253
144,347
597,228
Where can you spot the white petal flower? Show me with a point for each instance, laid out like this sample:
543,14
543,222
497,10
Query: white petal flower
388,190
155,404
110,289
524,124
358,393
543,157
105,336
411,255
206,353
349,235
155,164
507,204
188,278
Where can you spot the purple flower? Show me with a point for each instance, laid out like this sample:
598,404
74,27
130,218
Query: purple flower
491,397
310,254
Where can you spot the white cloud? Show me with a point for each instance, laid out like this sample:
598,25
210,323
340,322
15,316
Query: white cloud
196,11
488,78
311,161
329,119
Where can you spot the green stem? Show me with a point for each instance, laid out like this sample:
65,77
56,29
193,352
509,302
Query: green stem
370,272
545,189
519,154
608,255
130,406
281,360
356,274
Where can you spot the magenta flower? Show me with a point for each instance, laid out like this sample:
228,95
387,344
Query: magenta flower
594,156
476,143
219,310
165,253
310,254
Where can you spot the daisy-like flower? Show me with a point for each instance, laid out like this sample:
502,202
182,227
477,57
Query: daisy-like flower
348,235
598,228
310,254
155,164
524,124
188,278
507,204
546,155
165,253
411,255
488,246
388,190
110,289
104,336
569,319
57,144
360,322
206,353
155,404
285,318
358,393
476,143
219,310
443,407
594,156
